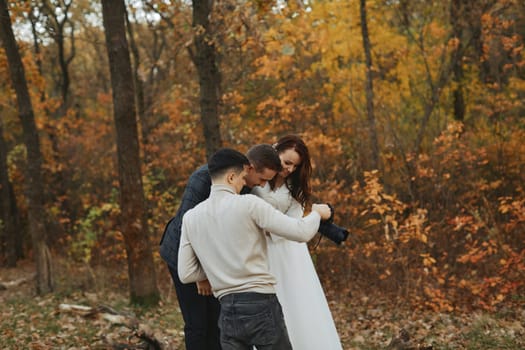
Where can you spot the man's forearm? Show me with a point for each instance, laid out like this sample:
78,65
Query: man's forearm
296,229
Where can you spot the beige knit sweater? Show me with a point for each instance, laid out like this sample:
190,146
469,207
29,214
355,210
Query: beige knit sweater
223,239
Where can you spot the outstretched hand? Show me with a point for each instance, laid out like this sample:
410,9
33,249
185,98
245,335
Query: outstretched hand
204,287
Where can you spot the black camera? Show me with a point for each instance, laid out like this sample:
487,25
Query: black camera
335,233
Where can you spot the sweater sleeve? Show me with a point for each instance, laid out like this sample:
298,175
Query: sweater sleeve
188,266
294,210
268,218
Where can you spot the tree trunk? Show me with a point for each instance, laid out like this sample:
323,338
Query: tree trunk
34,185
457,21
139,87
141,271
369,89
58,15
60,178
209,75
11,222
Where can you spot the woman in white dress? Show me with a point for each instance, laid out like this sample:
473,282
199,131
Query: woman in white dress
306,313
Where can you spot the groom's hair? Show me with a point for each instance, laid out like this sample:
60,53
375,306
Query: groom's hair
224,160
264,156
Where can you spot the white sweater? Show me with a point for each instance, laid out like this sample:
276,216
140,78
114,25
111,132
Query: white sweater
223,239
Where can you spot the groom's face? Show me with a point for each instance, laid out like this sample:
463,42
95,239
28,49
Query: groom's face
258,178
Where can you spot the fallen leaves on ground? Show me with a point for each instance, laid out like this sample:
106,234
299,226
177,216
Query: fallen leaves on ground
35,322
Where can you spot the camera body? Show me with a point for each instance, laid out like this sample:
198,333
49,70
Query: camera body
333,232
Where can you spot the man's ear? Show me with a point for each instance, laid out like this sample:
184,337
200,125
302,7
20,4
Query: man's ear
230,177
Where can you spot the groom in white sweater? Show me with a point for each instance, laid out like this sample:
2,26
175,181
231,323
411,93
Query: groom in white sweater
223,240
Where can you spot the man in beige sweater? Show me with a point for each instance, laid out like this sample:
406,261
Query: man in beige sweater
223,240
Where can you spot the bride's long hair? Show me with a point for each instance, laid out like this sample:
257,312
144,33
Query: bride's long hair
297,182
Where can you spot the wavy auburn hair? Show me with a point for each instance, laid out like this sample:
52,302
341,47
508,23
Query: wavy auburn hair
297,182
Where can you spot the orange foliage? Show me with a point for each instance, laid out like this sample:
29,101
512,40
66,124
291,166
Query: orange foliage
441,224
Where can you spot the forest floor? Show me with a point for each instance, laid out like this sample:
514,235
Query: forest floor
364,321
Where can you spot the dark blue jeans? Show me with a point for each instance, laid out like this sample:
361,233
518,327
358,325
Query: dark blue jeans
252,319
200,314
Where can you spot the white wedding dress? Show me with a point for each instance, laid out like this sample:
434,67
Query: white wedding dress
306,313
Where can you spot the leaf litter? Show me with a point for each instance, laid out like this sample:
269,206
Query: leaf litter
35,322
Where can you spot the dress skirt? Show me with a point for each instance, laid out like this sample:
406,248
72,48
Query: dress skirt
306,313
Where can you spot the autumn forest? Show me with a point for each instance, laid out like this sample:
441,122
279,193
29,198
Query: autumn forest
413,111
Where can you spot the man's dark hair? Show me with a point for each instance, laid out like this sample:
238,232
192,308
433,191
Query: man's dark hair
264,156
226,159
